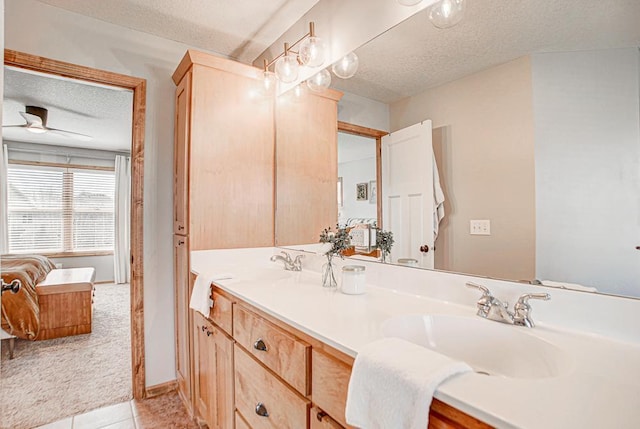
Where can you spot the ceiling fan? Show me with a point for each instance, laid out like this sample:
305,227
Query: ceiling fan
36,118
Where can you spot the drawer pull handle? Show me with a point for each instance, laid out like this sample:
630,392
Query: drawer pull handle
261,410
260,345
321,415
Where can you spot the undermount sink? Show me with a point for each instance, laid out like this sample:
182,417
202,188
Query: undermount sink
489,347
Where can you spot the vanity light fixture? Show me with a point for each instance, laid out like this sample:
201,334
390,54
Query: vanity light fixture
311,53
447,13
346,67
442,14
320,81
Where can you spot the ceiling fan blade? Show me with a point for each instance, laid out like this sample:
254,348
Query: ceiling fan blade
70,134
32,120
14,126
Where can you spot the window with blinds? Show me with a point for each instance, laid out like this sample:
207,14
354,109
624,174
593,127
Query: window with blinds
55,210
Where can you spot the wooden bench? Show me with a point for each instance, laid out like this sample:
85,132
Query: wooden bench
65,298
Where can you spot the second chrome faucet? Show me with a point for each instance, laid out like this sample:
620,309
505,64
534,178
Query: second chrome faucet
289,264
490,307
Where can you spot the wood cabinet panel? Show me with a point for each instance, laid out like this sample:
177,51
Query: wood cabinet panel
214,378
280,351
256,386
241,423
181,157
307,173
221,312
183,321
231,176
330,384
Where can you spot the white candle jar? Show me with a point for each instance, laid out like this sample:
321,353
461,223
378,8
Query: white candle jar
353,279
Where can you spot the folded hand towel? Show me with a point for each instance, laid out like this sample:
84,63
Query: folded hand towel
201,295
393,382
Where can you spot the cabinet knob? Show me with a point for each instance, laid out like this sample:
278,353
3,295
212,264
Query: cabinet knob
260,345
261,410
180,227
424,249
209,333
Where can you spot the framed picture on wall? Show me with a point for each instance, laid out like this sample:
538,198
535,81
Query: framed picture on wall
373,192
361,192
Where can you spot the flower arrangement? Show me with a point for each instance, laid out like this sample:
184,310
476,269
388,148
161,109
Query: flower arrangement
384,242
339,241
334,244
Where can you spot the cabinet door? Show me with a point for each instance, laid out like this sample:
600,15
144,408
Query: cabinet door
307,173
214,388
181,157
182,318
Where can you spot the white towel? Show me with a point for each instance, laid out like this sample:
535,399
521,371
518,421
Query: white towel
393,382
201,295
438,200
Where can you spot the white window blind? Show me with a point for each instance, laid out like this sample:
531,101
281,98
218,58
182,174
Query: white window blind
55,209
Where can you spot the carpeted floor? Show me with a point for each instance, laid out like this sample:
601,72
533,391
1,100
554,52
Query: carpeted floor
52,379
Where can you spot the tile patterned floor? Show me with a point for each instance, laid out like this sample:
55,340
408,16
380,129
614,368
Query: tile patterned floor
164,411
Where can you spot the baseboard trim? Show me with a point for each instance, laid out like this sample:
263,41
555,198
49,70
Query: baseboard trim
161,389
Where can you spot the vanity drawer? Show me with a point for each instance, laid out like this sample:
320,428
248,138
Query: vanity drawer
330,384
256,387
220,313
283,353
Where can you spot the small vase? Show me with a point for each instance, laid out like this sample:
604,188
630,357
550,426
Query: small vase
383,257
328,276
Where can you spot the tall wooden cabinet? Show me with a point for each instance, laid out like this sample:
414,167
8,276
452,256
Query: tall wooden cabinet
225,196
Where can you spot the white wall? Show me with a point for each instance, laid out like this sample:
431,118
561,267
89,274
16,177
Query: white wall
587,153
39,29
483,131
362,111
352,173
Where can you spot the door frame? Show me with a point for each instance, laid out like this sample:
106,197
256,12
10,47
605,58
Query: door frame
358,130
138,86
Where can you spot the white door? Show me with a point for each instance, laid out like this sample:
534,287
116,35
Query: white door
407,192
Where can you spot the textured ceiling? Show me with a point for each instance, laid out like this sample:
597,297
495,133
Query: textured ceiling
415,56
98,111
238,29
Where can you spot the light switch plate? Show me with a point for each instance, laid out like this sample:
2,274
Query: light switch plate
480,227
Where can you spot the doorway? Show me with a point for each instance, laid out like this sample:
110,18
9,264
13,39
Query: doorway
19,60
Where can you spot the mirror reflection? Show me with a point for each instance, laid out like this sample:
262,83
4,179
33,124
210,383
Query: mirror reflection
534,109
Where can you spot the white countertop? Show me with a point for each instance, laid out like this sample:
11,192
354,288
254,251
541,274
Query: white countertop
601,389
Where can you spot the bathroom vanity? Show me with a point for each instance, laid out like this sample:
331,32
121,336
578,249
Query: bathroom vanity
283,345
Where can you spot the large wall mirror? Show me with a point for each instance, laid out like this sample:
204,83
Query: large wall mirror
534,108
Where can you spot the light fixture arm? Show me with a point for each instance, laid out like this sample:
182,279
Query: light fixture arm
288,48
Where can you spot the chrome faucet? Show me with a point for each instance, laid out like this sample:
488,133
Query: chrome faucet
289,264
490,307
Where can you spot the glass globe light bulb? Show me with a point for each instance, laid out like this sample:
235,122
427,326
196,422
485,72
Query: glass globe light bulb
346,67
287,68
320,81
269,83
447,13
312,52
409,2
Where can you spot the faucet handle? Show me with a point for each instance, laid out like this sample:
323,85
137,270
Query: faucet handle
286,256
483,289
524,299
522,309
